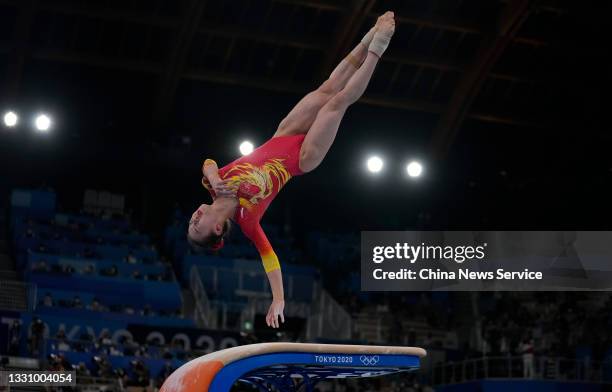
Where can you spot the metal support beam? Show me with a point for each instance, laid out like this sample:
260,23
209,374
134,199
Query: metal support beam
176,62
318,4
295,88
109,14
100,13
270,84
138,18
260,36
460,26
513,16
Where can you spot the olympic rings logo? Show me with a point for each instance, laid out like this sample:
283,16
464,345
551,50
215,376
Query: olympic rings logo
369,360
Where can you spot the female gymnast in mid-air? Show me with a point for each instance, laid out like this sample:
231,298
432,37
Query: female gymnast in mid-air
243,190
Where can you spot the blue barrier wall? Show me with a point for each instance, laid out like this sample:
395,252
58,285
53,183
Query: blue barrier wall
159,295
81,315
79,264
62,247
90,233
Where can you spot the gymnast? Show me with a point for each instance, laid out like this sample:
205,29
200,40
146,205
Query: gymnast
243,190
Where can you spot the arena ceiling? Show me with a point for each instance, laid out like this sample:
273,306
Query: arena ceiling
491,61
513,91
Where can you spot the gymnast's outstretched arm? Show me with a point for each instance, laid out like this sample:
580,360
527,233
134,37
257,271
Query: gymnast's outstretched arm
271,265
278,299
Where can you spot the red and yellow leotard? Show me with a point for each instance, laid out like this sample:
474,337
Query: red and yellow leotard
260,176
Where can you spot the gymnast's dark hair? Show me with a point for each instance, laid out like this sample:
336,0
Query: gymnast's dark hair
212,242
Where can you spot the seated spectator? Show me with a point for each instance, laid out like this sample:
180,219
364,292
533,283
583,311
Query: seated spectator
146,311
81,370
154,341
105,338
123,377
86,337
178,346
164,373
130,347
137,275
140,372
62,345
58,363
89,269
76,302
142,351
80,346
68,269
152,352
95,305
47,300
61,334
64,363
102,367
114,351
167,354
111,272
128,310
89,254
131,259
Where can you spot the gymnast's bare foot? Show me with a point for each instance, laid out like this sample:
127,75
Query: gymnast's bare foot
386,23
385,28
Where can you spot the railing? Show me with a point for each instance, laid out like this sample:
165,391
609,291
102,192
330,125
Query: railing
220,313
514,367
262,291
202,310
328,318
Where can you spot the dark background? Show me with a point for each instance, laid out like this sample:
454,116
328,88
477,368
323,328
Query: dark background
142,91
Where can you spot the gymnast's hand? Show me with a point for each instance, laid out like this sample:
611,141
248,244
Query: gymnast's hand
222,188
276,310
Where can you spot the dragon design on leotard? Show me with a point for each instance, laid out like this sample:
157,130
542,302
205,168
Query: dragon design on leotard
261,177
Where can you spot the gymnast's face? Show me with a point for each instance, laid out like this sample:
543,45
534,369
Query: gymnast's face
204,223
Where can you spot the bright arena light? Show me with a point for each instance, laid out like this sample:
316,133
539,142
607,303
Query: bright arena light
42,122
374,164
414,169
10,119
246,147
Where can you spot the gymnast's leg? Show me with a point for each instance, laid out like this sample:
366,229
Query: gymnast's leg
302,116
323,131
